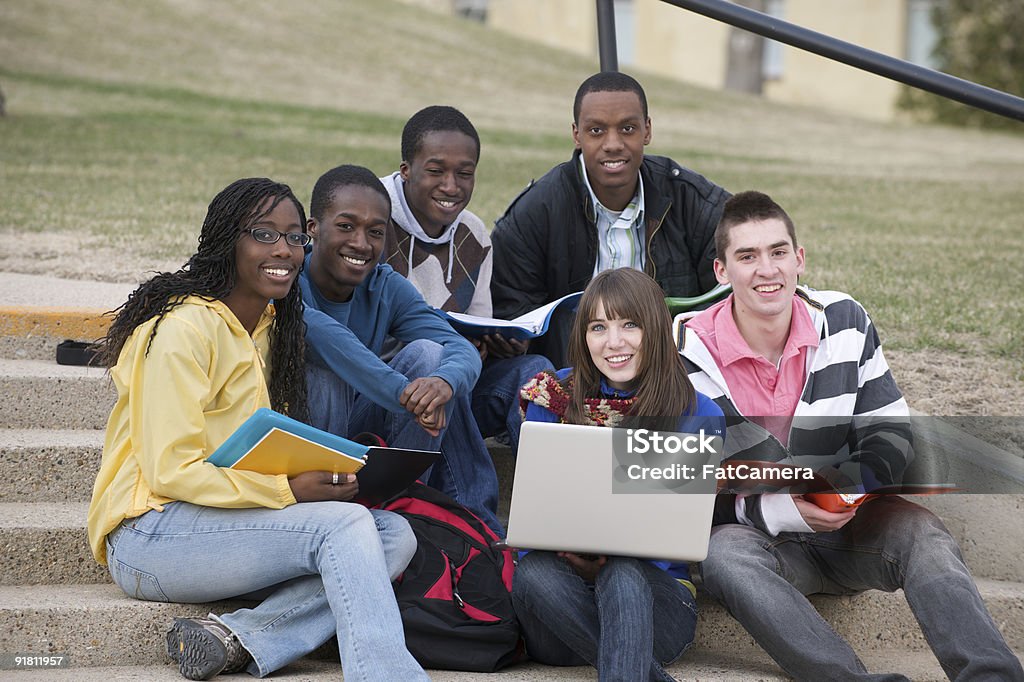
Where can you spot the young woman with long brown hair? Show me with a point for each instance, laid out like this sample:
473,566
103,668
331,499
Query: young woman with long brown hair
627,617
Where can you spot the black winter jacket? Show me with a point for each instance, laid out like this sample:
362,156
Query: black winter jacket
545,246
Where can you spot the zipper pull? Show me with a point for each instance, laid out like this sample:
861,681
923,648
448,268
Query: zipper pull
455,588
259,356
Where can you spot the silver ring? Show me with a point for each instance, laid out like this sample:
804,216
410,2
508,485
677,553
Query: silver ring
334,478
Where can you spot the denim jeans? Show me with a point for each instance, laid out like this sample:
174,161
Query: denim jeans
496,394
328,564
633,620
465,472
890,544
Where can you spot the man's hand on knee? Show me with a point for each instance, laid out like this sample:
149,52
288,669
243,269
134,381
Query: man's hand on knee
425,395
433,422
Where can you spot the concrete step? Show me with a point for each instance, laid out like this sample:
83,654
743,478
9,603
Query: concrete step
872,620
93,624
31,291
47,539
505,466
98,625
32,333
46,543
38,312
49,465
988,529
58,465
695,666
41,394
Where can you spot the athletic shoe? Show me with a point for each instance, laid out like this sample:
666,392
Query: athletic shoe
204,647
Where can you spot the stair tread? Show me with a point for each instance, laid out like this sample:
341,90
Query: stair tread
72,595
34,291
49,515
46,438
46,369
60,615
697,665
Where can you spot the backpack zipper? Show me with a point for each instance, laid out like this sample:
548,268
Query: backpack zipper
476,544
455,587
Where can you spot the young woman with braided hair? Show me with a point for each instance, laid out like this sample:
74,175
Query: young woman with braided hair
210,273
626,617
193,354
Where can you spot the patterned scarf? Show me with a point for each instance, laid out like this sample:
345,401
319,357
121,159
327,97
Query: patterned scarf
548,392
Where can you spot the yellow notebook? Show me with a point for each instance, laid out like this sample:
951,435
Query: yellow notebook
271,443
280,452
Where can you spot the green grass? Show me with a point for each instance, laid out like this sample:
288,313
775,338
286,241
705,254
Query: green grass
125,118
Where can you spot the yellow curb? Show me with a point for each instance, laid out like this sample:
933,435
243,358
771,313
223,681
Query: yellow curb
81,324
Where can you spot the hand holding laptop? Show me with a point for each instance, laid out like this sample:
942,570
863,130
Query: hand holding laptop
586,566
563,501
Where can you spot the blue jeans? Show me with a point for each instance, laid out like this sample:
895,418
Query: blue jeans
465,472
633,620
890,544
328,564
496,394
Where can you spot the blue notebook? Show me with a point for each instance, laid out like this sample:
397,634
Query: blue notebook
272,443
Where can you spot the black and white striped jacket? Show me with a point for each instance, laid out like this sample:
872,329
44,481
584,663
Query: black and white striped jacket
851,415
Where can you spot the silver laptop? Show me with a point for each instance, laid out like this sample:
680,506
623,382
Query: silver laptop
563,499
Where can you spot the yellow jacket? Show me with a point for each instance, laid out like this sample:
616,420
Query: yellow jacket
202,377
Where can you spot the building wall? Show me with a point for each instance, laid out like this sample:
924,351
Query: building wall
444,6
680,44
566,24
687,46
693,48
878,25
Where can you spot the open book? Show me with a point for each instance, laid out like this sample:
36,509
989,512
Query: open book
527,326
272,443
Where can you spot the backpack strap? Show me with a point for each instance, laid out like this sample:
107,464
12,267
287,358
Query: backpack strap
403,503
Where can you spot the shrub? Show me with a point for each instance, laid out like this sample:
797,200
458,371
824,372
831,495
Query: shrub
979,40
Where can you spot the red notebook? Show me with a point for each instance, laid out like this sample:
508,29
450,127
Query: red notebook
839,502
827,496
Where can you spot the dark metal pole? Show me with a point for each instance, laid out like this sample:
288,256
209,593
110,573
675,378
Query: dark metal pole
606,47
958,89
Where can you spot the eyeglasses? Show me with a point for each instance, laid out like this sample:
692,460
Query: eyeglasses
265,235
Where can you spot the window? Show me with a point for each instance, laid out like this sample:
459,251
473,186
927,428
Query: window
771,62
625,31
471,9
922,35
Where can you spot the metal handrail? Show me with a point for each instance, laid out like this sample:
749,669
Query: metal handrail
951,87
606,43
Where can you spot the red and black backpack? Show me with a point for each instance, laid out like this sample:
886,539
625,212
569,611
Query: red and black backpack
454,595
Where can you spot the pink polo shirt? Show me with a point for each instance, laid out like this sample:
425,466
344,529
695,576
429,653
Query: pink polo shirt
759,388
